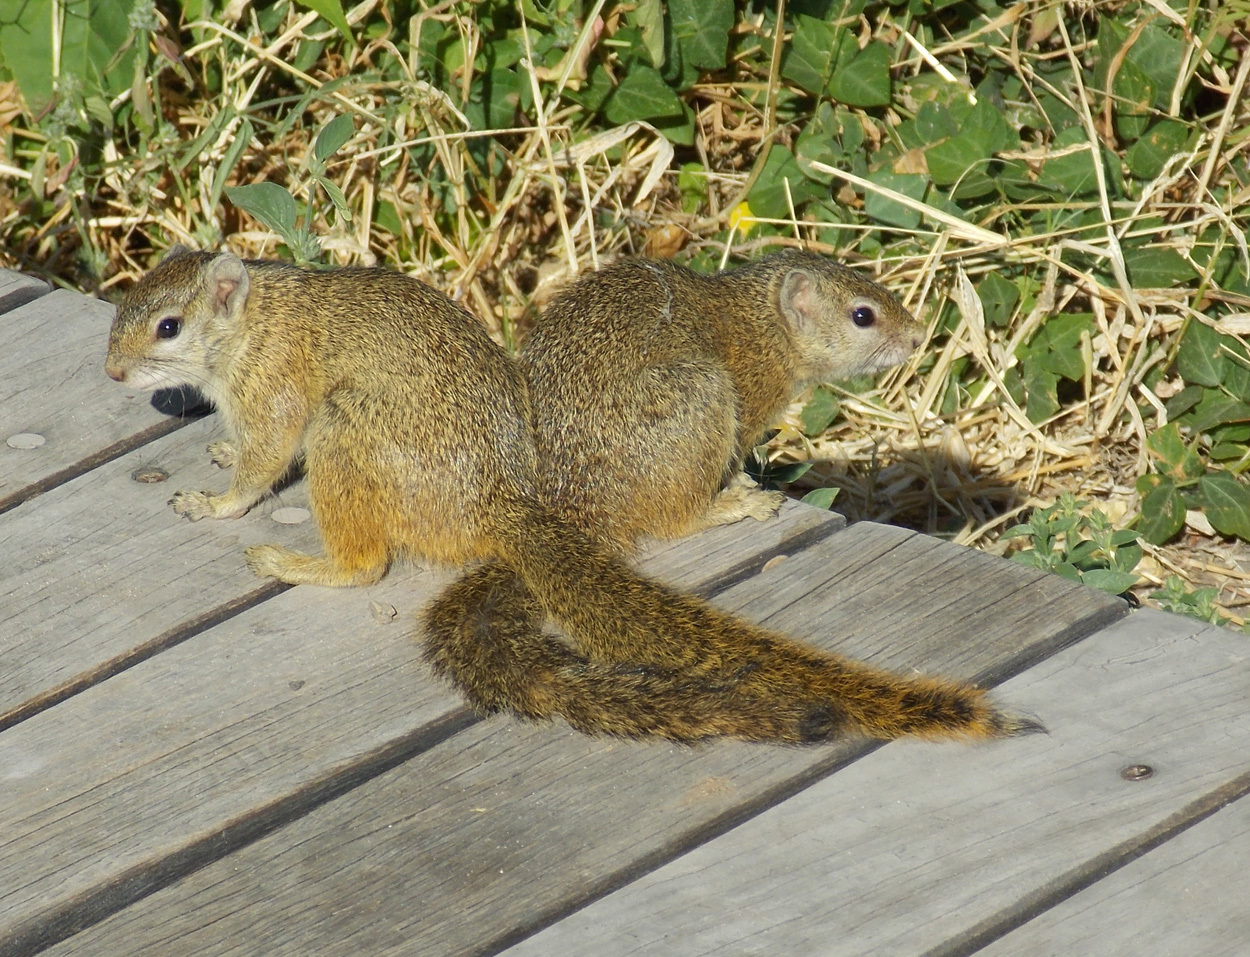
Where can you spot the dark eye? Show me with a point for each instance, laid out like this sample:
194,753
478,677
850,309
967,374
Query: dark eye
863,316
169,327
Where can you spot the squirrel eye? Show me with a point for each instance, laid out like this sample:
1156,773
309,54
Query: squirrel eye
169,327
863,316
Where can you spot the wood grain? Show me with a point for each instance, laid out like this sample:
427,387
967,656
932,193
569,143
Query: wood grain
241,727
100,572
17,290
52,384
916,850
505,827
1188,896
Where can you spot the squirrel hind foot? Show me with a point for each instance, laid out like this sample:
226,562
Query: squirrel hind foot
295,568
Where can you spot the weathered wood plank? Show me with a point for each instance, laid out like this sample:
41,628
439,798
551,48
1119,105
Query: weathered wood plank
922,850
99,571
240,728
505,827
17,290
53,388
1189,896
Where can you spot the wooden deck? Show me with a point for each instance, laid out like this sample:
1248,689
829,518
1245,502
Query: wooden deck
193,762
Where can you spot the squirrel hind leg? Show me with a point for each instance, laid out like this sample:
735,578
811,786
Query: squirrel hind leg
296,568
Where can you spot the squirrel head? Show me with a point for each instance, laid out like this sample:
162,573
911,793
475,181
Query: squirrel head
843,324
169,326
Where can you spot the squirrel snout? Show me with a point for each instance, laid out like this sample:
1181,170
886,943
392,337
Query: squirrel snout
115,371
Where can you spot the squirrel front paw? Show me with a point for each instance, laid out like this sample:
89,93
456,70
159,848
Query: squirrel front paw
222,454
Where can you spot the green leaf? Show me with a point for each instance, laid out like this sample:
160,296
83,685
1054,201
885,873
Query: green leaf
1181,462
784,474
1056,347
865,80
337,198
333,135
1216,408
1227,501
951,160
1041,389
1147,157
998,298
821,497
26,50
1065,570
238,143
642,95
1227,452
1157,268
692,184
269,203
1183,401
1134,91
1112,582
821,409
701,29
331,11
809,57
1069,174
885,210
1200,359
1162,513
649,15
768,196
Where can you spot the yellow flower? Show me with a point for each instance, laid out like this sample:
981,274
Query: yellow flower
742,219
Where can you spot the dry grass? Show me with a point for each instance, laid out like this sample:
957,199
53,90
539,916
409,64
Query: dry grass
564,202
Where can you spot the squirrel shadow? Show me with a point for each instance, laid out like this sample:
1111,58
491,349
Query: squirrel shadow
917,504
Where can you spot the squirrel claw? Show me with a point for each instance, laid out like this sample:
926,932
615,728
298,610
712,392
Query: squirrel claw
193,505
222,454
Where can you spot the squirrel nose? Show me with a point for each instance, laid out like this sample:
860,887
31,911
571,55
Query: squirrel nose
114,372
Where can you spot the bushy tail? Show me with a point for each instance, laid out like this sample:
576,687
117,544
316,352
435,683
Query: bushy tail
650,660
484,632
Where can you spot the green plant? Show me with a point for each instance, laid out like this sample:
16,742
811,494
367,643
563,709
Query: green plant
278,209
1070,539
1176,596
1200,455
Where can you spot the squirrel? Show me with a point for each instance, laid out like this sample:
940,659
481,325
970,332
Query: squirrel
417,435
649,384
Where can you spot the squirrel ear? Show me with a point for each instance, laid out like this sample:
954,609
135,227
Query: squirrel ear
800,299
228,285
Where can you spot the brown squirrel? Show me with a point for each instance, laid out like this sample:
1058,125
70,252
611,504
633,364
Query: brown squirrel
416,433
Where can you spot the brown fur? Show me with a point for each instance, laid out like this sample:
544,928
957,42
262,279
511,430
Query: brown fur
415,432
649,384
